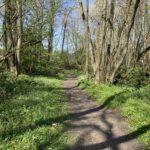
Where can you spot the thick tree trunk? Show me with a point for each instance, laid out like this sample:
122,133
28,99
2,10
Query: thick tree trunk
20,31
100,58
13,34
85,17
9,41
125,37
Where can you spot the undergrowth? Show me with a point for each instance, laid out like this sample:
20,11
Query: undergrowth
31,113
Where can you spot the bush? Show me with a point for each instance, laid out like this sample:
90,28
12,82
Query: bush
7,86
136,77
38,64
36,117
11,85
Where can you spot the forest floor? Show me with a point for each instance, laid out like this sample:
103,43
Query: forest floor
41,113
95,127
31,115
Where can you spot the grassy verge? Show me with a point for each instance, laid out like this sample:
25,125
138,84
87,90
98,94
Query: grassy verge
31,110
134,104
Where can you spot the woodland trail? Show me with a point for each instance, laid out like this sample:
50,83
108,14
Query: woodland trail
96,127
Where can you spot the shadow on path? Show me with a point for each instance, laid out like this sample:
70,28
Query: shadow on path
113,142
110,142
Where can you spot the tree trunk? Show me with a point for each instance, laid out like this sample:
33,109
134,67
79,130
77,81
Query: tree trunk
125,37
50,39
20,31
9,41
85,17
64,33
51,28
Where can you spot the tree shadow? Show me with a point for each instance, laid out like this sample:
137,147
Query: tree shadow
24,88
110,142
113,142
50,121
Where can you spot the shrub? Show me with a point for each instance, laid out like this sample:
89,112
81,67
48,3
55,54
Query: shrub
136,77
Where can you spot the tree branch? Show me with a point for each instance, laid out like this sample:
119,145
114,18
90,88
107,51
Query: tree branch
143,53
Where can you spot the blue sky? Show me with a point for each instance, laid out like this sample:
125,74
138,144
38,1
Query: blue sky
59,29
90,1
58,39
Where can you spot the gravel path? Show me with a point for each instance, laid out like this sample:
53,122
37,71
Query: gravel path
96,127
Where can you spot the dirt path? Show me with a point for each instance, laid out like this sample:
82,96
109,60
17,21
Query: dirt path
95,127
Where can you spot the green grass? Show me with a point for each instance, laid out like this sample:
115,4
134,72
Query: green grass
31,110
134,104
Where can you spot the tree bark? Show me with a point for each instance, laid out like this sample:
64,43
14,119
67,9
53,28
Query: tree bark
126,34
20,31
52,12
64,33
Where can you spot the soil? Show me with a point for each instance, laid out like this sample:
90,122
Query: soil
95,127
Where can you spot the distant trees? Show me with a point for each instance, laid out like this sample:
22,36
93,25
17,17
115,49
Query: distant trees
54,10
108,39
26,24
